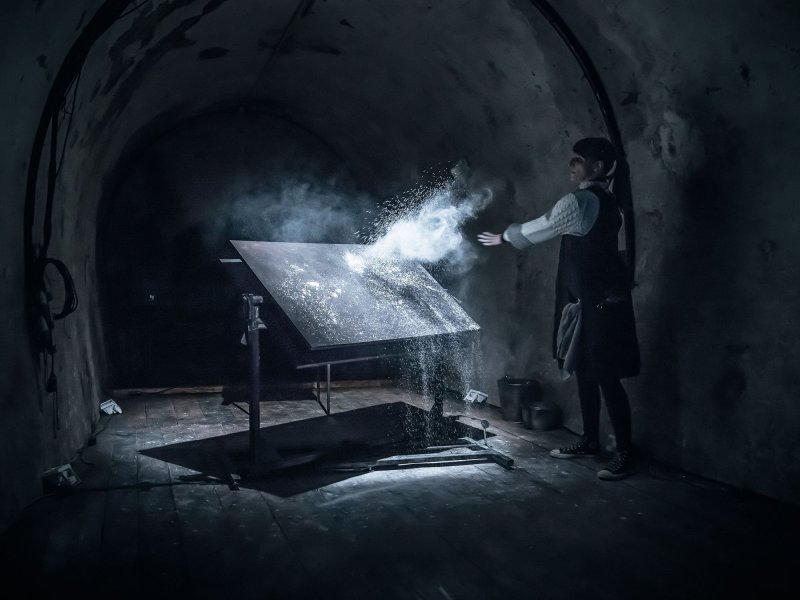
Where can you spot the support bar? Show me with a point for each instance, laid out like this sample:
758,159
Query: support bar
327,408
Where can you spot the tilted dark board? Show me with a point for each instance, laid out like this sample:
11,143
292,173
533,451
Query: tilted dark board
337,295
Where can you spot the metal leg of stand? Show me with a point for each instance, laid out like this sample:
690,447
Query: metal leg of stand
255,395
327,406
329,389
319,390
252,301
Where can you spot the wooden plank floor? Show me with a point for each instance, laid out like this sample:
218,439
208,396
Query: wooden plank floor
141,526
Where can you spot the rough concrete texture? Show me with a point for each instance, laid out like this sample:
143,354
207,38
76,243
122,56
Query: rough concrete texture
35,39
393,88
155,516
717,270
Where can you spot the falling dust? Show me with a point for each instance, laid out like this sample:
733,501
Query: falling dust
426,225
438,369
422,226
293,211
338,298
382,291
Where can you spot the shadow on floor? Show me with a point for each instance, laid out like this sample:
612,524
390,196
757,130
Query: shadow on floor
311,453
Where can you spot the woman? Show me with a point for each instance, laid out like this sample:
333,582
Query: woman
593,299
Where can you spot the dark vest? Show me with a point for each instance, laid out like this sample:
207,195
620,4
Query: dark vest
591,270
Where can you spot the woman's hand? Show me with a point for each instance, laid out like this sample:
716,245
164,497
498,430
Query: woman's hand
490,239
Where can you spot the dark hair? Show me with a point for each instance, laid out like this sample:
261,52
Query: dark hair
597,148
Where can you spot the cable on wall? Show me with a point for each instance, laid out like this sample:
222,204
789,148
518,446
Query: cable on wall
48,122
37,260
622,180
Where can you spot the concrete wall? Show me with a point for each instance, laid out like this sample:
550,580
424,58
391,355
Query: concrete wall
396,87
36,36
705,94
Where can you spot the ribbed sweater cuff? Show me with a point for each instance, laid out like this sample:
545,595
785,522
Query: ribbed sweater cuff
515,237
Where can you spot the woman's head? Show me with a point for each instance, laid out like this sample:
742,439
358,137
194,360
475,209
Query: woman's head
593,158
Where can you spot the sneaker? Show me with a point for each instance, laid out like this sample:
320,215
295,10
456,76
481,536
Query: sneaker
582,447
620,467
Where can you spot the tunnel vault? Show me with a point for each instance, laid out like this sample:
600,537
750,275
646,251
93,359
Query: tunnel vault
125,85
375,93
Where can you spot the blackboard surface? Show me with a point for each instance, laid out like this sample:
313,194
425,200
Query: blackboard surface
335,295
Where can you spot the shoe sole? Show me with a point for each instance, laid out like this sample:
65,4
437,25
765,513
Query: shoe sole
556,454
609,476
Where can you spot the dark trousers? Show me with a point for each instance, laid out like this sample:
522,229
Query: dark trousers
617,405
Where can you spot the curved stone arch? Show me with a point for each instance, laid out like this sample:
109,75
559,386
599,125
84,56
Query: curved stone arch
112,10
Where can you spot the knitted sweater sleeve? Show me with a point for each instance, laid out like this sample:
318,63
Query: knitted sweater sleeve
574,214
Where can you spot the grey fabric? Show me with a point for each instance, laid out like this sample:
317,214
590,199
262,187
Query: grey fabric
574,214
569,330
515,237
588,209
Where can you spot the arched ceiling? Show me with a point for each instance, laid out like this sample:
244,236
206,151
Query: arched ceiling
391,88
391,85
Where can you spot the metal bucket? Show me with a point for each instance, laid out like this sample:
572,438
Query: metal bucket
544,415
514,393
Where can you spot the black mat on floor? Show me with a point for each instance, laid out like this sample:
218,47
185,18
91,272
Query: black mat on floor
303,455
